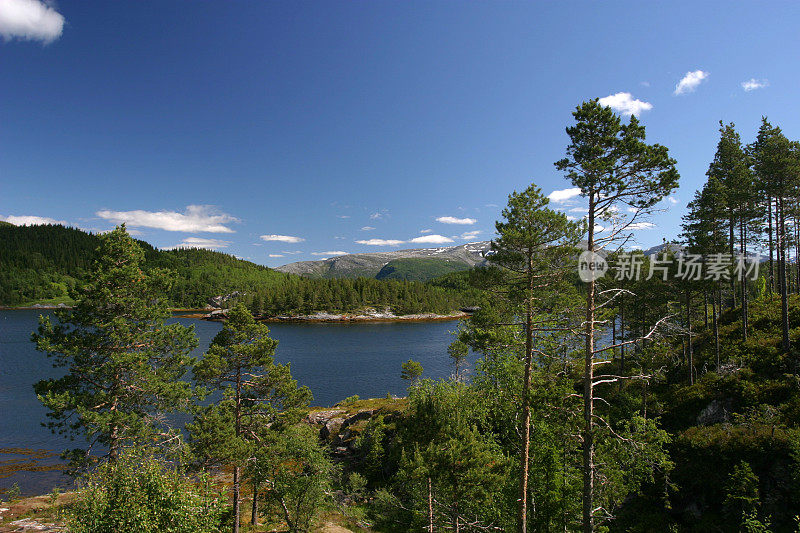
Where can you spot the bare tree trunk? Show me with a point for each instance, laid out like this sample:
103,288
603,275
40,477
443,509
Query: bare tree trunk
236,499
430,506
797,250
785,345
743,240
705,307
622,336
732,233
522,518
689,352
254,509
771,246
588,391
714,317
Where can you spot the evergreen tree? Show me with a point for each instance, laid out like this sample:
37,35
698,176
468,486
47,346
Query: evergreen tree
257,395
616,170
123,363
534,246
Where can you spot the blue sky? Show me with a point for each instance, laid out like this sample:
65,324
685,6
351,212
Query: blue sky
217,123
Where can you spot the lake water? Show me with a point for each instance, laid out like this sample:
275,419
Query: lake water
334,360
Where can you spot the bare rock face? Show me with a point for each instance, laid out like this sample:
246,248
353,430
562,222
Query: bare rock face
714,413
320,417
331,427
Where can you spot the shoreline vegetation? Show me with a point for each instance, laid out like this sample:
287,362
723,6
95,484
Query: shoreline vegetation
614,403
217,315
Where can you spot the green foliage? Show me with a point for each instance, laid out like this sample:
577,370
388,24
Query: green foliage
442,443
411,370
141,493
419,269
123,363
741,491
296,470
258,396
46,264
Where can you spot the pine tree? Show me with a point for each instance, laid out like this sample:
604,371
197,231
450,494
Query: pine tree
123,363
615,170
256,392
534,246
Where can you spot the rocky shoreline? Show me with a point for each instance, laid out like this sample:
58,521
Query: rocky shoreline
324,317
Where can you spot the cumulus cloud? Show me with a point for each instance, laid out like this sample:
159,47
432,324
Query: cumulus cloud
282,238
30,20
563,195
330,254
367,228
469,235
30,220
199,242
196,219
431,239
381,242
455,220
690,81
641,226
625,104
672,200
752,84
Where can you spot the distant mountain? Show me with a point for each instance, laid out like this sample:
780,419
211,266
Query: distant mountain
418,264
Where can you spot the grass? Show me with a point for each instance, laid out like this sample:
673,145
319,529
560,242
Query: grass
372,404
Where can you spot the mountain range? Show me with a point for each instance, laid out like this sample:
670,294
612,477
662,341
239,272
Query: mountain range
418,264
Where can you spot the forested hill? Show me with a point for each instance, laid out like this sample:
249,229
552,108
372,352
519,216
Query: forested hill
43,264
414,264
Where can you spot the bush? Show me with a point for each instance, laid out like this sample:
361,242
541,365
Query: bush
143,494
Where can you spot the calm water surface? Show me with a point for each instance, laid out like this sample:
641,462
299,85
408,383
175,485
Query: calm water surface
334,360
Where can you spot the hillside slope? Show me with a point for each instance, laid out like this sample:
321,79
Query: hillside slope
370,264
44,264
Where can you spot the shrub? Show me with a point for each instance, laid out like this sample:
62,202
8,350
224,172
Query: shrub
144,494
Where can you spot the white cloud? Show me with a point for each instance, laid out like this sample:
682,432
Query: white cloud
199,242
625,103
563,195
752,84
376,216
641,226
431,239
276,255
30,20
690,81
342,216
367,228
578,210
381,242
425,230
197,218
30,220
293,252
672,200
571,218
282,238
329,254
469,235
454,220
644,83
